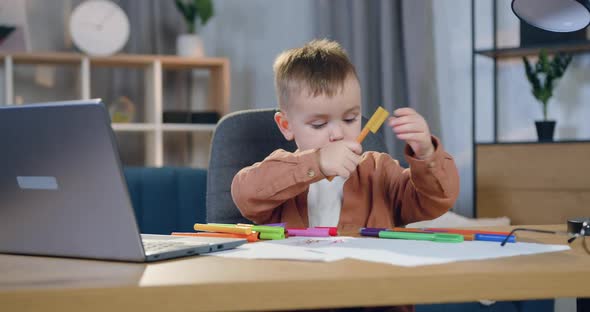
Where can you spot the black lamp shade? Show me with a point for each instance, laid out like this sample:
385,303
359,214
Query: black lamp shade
554,15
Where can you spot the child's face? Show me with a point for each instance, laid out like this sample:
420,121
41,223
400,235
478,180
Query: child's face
314,122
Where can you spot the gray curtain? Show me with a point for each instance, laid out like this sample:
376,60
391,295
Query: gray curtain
392,54
419,47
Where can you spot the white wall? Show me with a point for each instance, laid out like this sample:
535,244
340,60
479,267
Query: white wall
453,79
251,34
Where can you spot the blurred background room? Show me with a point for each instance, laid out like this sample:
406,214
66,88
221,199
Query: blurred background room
167,77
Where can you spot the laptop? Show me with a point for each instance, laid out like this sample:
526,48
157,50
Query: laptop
63,193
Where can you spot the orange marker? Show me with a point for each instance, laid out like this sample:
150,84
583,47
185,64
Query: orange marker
222,228
251,237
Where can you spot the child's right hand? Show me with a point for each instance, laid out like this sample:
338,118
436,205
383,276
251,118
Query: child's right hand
340,158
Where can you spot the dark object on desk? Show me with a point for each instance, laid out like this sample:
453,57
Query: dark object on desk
579,226
531,36
575,228
191,117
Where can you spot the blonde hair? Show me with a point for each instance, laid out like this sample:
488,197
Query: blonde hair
319,67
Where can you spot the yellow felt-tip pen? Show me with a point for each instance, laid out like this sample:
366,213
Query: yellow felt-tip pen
222,228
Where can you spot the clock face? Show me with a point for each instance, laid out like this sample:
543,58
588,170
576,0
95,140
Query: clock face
99,27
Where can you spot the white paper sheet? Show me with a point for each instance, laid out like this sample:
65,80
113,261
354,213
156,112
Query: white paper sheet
273,251
391,251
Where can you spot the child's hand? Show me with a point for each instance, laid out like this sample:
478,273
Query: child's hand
411,127
340,158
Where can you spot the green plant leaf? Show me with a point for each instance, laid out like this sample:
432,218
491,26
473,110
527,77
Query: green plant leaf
560,64
530,74
544,75
204,9
189,12
545,67
181,6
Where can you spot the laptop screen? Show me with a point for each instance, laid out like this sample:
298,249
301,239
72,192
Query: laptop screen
62,191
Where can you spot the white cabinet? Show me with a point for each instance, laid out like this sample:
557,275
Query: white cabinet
152,127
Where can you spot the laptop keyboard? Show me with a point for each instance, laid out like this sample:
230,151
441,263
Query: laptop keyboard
159,246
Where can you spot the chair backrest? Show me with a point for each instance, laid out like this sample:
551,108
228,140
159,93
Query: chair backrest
241,139
167,199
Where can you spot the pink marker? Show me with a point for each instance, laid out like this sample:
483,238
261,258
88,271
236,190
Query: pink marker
332,230
311,232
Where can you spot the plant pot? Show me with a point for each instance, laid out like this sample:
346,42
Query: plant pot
545,130
189,45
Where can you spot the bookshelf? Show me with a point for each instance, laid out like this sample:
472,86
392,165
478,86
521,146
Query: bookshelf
531,182
151,126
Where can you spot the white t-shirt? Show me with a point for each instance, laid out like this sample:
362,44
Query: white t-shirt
324,201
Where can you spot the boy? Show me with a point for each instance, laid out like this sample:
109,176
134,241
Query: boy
320,108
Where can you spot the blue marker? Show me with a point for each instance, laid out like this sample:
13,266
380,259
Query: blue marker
493,238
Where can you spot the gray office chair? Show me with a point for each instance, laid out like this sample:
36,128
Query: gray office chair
241,139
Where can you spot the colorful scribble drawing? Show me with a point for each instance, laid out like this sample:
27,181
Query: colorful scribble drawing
338,241
312,242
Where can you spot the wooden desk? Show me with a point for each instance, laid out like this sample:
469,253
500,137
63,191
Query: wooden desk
211,283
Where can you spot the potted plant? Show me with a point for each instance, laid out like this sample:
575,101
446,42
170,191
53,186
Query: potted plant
543,78
196,13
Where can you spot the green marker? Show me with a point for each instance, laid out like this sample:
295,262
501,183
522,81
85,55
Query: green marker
273,236
435,237
268,229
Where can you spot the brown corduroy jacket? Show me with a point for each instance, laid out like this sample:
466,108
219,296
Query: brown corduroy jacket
379,193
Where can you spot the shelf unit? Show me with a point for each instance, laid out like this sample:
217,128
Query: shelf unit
573,48
507,179
153,66
498,54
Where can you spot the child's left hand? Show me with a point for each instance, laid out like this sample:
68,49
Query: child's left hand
411,127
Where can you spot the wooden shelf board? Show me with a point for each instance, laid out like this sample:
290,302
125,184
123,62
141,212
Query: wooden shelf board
534,142
44,58
118,60
133,127
178,127
530,51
